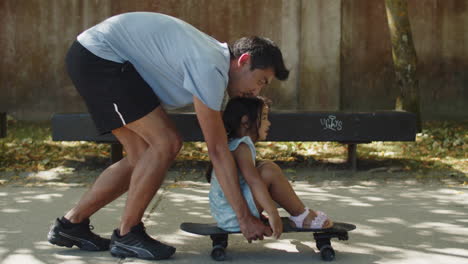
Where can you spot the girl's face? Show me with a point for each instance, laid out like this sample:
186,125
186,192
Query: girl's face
264,124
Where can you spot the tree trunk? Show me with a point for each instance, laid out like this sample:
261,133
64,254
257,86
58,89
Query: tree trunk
404,57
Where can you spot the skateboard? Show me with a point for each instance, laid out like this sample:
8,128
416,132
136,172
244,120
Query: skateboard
322,237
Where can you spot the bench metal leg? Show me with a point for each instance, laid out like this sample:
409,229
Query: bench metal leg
116,152
3,125
352,156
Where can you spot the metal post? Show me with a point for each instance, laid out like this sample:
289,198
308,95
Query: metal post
3,125
352,156
116,152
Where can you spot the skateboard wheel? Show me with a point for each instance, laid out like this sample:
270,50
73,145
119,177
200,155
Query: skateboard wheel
327,253
218,253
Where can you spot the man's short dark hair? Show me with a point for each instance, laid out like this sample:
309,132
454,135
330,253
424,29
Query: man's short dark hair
264,53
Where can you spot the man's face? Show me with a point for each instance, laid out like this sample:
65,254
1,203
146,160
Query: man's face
245,82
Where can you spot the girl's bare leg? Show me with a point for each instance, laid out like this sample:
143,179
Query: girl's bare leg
281,191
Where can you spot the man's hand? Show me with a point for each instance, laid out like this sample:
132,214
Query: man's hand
252,228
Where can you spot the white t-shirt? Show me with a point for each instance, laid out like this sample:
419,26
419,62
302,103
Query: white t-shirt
177,60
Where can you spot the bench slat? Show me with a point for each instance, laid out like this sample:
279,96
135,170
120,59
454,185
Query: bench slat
344,127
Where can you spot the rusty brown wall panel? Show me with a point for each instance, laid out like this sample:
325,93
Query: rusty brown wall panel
339,50
441,40
319,87
7,40
367,76
37,33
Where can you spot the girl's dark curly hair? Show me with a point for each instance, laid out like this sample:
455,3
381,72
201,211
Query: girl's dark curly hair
236,108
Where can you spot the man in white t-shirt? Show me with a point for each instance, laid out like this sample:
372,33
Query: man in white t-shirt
129,69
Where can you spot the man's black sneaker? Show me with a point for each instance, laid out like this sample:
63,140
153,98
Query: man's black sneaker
138,244
79,235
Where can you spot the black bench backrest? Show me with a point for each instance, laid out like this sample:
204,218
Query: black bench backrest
286,126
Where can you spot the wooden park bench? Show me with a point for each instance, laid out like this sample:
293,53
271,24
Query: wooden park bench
3,124
343,127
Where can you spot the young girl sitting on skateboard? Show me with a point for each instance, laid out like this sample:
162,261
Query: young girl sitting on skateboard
263,185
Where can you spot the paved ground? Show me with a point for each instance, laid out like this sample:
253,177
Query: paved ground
398,221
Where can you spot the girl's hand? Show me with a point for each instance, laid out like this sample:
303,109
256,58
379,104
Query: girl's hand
276,224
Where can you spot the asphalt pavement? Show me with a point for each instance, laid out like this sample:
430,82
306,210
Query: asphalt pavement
398,221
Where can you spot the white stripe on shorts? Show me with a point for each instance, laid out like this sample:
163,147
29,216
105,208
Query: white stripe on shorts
120,115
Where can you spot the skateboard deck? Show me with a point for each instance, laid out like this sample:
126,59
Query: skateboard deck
213,229
322,236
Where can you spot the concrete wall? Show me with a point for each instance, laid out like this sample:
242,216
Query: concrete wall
339,50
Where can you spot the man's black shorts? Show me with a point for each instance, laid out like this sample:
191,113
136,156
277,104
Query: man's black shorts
115,93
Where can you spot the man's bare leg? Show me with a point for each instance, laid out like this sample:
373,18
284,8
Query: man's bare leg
113,181
158,131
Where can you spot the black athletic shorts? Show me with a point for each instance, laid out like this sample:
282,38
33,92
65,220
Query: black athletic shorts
115,93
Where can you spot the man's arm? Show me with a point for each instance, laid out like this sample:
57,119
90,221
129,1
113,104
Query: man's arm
243,158
226,171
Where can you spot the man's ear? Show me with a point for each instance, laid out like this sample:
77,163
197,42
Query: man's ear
245,121
243,59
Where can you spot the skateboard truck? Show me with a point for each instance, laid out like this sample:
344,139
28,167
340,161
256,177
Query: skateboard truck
220,243
323,243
